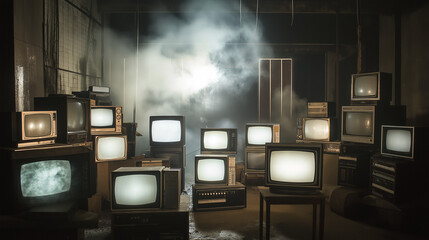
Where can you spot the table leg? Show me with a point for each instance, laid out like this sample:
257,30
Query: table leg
261,216
314,219
267,221
322,219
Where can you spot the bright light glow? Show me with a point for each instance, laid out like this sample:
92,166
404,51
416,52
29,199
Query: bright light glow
111,148
101,117
166,131
37,125
76,116
138,189
211,170
256,161
398,140
215,140
45,178
292,166
259,135
358,123
316,129
365,86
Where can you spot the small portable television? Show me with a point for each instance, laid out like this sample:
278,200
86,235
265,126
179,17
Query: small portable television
167,131
317,129
110,148
136,188
106,120
218,140
29,128
211,169
257,134
254,160
42,179
294,168
73,116
375,87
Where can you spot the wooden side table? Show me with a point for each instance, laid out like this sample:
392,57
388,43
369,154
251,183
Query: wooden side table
274,198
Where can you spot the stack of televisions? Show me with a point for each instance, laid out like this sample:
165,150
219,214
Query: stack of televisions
215,185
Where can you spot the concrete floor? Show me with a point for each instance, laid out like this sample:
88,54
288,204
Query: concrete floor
287,222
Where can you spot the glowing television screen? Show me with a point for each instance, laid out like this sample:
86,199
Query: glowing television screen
46,176
294,167
106,120
110,148
257,134
167,131
371,87
211,169
136,188
397,141
218,140
317,129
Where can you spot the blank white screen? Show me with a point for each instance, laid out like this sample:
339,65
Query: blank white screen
316,129
166,131
101,117
111,148
211,170
365,86
138,189
292,166
398,140
215,140
259,135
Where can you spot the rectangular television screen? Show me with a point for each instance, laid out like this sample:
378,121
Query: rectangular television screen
110,148
218,140
371,87
397,141
106,120
211,169
294,167
258,134
316,129
255,160
167,131
358,124
136,188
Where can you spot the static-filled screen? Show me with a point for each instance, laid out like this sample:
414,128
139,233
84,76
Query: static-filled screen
111,148
215,140
102,117
211,170
316,129
292,166
37,125
136,189
45,178
76,116
365,86
166,131
398,140
358,123
256,161
259,135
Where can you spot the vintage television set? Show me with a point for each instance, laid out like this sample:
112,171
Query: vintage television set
372,88
136,188
167,131
254,160
294,168
218,140
257,134
28,128
318,129
211,169
110,148
48,181
362,124
106,120
73,116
